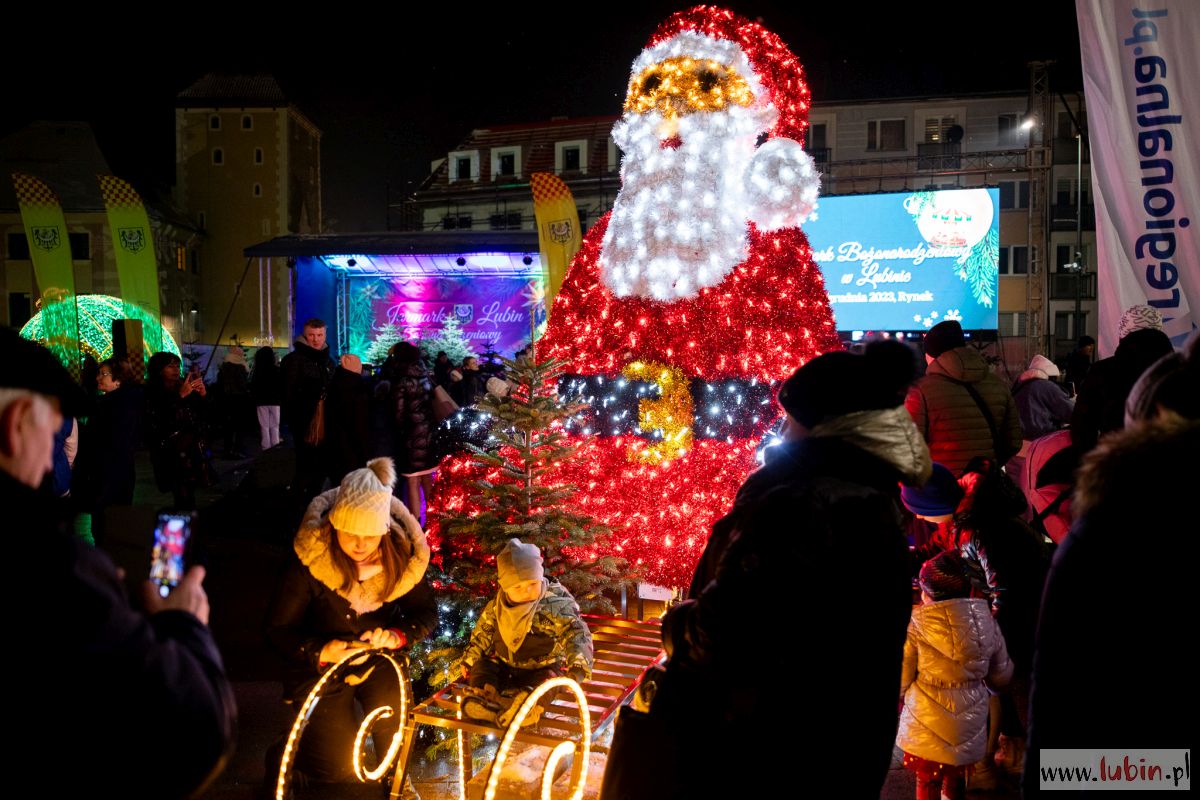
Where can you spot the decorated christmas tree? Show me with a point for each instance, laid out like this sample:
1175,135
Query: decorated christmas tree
386,337
516,492
450,339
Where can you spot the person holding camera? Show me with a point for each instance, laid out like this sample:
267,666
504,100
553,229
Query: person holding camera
143,698
357,582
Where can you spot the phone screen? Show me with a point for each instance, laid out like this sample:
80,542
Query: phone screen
170,541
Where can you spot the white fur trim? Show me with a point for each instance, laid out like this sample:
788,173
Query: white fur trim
315,538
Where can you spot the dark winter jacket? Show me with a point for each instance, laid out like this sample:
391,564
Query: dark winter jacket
311,608
306,374
1013,560
145,698
815,535
1112,658
558,636
266,384
1100,406
414,417
347,423
104,468
951,421
175,434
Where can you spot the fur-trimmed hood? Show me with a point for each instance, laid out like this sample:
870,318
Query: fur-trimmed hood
1131,462
315,537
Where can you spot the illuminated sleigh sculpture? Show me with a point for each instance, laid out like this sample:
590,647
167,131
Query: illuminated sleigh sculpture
624,651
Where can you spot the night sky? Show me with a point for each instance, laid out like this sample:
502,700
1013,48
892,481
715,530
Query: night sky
392,93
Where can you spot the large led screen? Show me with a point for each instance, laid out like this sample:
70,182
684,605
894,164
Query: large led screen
907,261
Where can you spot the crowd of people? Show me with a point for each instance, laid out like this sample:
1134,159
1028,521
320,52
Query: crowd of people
1032,627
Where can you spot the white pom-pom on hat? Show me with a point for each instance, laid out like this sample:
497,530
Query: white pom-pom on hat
364,499
781,185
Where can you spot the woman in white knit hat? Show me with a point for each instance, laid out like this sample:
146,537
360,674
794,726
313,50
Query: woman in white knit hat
358,579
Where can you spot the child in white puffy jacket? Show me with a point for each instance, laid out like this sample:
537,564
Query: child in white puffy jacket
954,655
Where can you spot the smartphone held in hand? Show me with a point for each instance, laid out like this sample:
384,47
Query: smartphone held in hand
171,536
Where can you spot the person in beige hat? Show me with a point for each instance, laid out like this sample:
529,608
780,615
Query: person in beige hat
358,581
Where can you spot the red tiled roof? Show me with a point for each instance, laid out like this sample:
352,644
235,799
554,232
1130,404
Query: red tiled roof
536,141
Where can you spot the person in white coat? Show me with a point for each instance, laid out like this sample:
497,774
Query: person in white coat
954,656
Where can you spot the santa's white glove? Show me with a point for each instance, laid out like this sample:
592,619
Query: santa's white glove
781,185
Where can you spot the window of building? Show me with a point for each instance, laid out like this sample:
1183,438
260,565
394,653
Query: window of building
506,162
1012,323
1064,192
816,136
1008,130
218,156
1014,194
885,134
508,221
247,122
1066,254
464,166
571,159
81,246
452,222
214,123
18,247
936,128
258,190
1064,327
20,309
1014,260
180,258
571,156
1064,128
258,155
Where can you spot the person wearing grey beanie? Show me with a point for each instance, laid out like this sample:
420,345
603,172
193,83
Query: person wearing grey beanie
529,633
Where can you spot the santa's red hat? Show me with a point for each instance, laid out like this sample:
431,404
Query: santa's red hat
776,68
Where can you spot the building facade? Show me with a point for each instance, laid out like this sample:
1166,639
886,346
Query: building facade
66,157
1047,221
247,169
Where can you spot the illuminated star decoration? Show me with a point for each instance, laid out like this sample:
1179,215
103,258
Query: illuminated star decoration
765,317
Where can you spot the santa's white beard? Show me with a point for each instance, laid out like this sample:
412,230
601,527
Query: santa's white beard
679,221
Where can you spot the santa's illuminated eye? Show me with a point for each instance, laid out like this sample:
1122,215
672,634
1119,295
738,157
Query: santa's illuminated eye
682,85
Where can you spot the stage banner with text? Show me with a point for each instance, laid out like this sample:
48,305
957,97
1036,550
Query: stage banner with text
906,261
137,268
492,311
1141,67
50,251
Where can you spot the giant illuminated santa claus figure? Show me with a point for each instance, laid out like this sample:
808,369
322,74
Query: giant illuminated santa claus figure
698,291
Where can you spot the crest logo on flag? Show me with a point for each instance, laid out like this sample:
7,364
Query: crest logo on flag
465,312
132,239
47,237
560,230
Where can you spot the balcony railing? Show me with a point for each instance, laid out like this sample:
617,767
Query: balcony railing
939,155
821,155
1062,217
1062,285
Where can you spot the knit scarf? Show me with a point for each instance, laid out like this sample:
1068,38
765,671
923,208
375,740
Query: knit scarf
514,621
